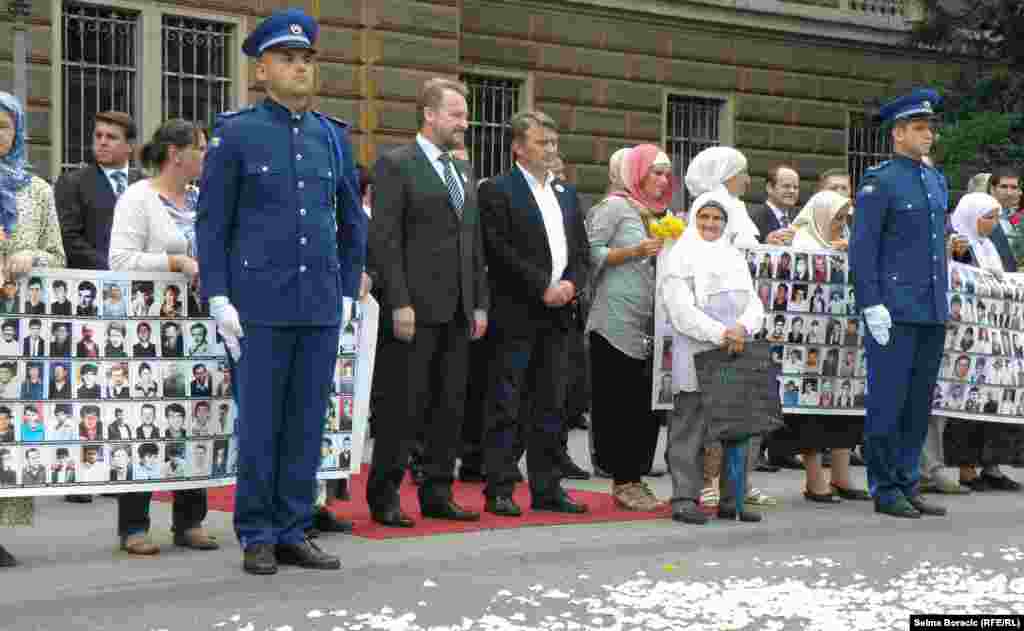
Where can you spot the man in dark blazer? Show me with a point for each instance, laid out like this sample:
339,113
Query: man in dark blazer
1004,185
773,217
426,249
536,256
85,198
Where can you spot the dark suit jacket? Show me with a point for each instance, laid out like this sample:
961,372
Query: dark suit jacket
423,254
765,220
27,348
518,254
1002,243
129,475
85,204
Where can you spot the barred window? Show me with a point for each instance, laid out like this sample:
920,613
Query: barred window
492,102
196,68
692,125
99,71
867,144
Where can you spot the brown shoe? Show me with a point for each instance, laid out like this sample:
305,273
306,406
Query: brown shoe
634,496
648,497
196,538
139,544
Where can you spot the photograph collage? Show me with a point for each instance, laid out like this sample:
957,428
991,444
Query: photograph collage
336,450
982,370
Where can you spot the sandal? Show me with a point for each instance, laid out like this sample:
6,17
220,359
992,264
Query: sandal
709,497
758,497
858,495
821,498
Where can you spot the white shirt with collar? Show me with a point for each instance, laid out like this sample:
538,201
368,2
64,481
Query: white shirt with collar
433,153
110,176
554,222
780,215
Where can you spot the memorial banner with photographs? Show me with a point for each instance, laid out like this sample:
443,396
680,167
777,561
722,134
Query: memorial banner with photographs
113,382
817,336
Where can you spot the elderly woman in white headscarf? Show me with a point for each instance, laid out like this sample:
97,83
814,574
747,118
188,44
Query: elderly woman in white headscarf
722,171
709,295
622,252
974,219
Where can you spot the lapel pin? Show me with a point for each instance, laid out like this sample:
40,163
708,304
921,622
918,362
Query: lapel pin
559,188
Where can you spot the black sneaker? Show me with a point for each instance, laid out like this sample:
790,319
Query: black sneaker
926,508
307,555
689,514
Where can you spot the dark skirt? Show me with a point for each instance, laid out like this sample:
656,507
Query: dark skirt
982,443
817,431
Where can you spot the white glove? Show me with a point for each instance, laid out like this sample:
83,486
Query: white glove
228,324
879,322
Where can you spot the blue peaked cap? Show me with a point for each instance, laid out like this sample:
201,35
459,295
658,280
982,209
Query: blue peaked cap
290,28
919,103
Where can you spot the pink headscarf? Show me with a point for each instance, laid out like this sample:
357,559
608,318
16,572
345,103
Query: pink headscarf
635,168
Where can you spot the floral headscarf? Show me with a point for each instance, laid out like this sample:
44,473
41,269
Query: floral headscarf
14,173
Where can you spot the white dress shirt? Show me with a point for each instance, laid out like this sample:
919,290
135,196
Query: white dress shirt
780,215
433,154
554,222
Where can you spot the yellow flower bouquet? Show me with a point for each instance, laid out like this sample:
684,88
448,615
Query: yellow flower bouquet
668,227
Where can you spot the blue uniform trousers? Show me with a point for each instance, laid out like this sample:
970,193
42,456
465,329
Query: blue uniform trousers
284,380
901,377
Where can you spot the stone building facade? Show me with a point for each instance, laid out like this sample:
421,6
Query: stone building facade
783,80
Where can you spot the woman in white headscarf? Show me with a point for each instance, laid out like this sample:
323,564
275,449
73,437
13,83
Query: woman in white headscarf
722,171
709,295
972,442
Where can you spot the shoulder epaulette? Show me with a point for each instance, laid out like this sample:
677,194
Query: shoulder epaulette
878,167
336,121
223,117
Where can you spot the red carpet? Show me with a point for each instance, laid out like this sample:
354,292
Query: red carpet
602,509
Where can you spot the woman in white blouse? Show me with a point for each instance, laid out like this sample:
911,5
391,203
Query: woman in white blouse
153,231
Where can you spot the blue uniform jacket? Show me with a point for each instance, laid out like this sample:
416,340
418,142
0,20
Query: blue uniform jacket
898,250
274,187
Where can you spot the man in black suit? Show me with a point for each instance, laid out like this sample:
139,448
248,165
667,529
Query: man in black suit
773,217
34,345
1004,185
426,249
536,256
85,198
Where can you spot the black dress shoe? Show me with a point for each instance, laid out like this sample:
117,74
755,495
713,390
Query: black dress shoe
471,476
259,559
6,559
899,508
393,518
307,555
78,499
926,508
560,503
326,521
450,511
1000,482
978,484
579,421
850,493
749,516
503,506
572,471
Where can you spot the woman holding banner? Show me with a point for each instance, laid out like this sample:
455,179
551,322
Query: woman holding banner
154,231
822,225
30,238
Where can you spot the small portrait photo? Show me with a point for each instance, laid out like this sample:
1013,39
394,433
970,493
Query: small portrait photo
233,456
331,422
10,380
844,398
94,465
202,421
10,466
851,302
995,342
827,396
834,332
121,465
10,298
118,378
60,304
851,332
784,266
976,315
752,258
860,393
144,345
349,341
9,346
115,299
201,384
796,330
956,282
225,424
837,269
119,420
88,339
1018,410
938,397
88,382
8,428
777,332
343,446
219,463
780,297
1008,406
346,374
794,363
116,345
983,341
790,393
777,351
63,465
345,413
1007,345
146,382
967,339
956,308
955,395
176,418
765,266
87,305
980,373
818,302
222,379
1017,345
764,292
962,368
809,392
837,301
150,420
952,336
761,335
848,362
33,386
60,339
201,458
198,307
62,424
862,363
35,300
328,453
815,331
90,423
175,461
819,263
34,340
171,301
33,423
800,300
801,270
991,400
148,460
969,280
812,366
666,357
665,393
172,344
946,367
1017,318
173,378
198,339
143,298
830,365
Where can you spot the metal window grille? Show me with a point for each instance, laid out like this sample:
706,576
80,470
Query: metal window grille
196,68
99,68
492,102
692,126
867,144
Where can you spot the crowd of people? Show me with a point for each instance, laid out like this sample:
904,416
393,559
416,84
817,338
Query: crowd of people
507,307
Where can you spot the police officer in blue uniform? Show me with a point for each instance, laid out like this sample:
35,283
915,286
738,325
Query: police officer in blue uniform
898,258
280,273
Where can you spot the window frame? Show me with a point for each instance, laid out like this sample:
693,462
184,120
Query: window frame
526,89
726,130
855,176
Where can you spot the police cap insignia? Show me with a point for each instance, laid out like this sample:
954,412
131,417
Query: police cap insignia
296,29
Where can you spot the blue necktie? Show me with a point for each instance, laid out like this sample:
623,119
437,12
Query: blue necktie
454,191
120,182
